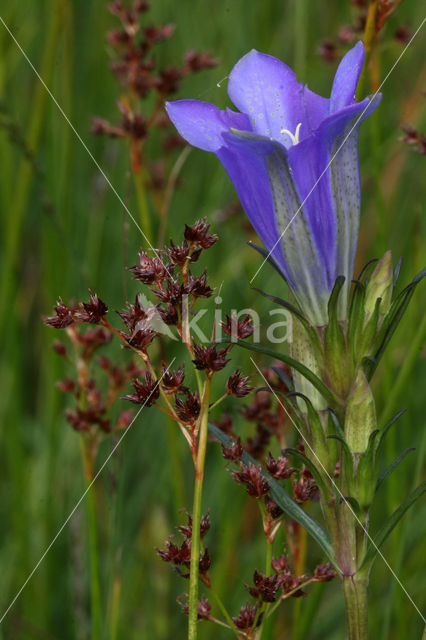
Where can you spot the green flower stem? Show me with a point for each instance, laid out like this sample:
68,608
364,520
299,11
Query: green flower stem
143,206
95,592
355,590
196,511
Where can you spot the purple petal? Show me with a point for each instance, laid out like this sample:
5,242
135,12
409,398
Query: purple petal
202,124
288,224
346,78
326,172
267,90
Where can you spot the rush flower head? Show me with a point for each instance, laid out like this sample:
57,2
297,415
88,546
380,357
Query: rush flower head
292,156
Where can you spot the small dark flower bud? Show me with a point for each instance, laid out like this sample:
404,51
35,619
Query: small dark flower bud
93,311
66,385
149,270
272,508
205,562
198,61
198,234
173,294
281,565
403,34
156,34
278,467
246,618
237,385
252,477
63,317
203,607
60,348
328,51
234,451
172,380
265,587
325,572
209,358
145,393
176,555
188,410
168,314
135,314
237,329
198,287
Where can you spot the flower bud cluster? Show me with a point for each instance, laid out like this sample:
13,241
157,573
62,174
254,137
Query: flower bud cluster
134,44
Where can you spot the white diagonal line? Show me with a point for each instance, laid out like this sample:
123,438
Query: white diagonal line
46,551
341,146
77,135
341,495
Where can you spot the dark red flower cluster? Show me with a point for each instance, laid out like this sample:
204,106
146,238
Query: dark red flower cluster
415,139
135,66
180,555
203,607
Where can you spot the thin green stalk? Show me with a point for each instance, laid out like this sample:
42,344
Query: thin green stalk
145,219
196,512
95,591
224,611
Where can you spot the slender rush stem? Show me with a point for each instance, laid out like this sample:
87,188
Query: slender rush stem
196,513
95,591
143,205
355,590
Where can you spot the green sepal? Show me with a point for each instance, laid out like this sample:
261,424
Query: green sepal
366,472
334,300
356,317
317,474
366,338
392,466
389,525
396,271
393,318
269,258
360,415
319,441
367,270
336,423
337,362
284,378
310,330
285,502
347,462
304,371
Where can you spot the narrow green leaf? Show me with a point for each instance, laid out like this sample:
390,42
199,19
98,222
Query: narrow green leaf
284,378
310,330
388,425
285,502
304,371
392,466
268,257
396,271
367,269
347,462
336,423
391,523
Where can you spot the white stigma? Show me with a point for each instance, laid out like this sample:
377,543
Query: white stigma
293,137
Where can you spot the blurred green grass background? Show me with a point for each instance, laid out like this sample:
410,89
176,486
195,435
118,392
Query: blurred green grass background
63,230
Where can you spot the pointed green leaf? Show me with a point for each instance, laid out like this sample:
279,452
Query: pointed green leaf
304,371
310,330
285,501
356,317
389,525
396,271
284,378
336,423
392,466
387,426
268,257
347,462
367,269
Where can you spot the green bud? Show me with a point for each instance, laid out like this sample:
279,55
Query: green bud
302,349
360,419
380,285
